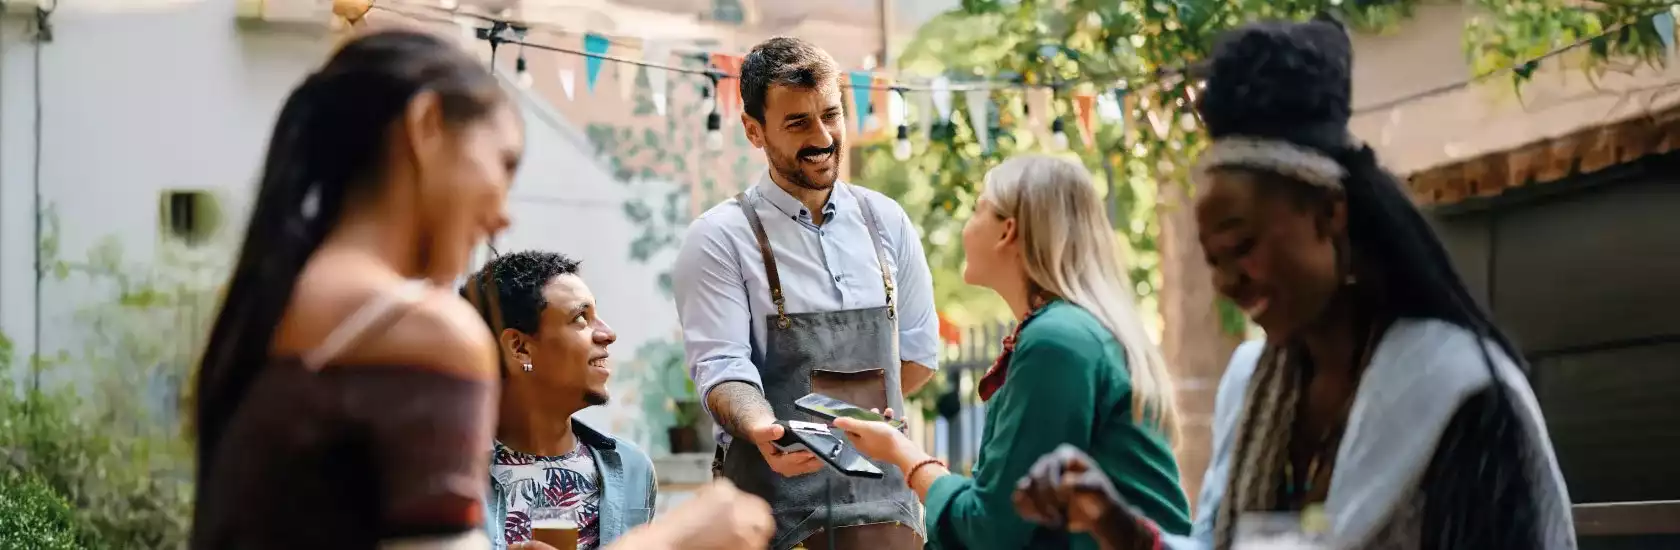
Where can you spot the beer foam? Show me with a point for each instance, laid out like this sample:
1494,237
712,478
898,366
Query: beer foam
554,523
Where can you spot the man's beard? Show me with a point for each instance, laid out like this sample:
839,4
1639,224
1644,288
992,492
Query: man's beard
594,398
793,170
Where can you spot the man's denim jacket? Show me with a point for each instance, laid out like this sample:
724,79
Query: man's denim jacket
627,488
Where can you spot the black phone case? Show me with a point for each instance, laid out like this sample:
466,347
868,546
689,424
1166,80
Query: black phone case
831,448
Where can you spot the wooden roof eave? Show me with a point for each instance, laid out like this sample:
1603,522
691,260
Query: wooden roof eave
1581,152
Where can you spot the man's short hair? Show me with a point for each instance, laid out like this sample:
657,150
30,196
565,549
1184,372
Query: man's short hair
513,284
783,61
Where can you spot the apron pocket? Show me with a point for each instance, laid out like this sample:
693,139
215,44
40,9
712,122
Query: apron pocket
866,388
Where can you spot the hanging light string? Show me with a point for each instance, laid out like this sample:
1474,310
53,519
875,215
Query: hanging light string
1158,78
440,15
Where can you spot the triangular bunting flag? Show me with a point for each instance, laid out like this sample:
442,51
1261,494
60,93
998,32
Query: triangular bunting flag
1131,112
1108,108
659,82
596,46
1160,123
1388,129
627,80
1084,109
880,95
1664,22
729,86
1039,112
941,98
566,71
924,112
980,116
860,81
469,29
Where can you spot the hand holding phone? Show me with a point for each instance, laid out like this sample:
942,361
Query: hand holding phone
829,408
827,446
787,463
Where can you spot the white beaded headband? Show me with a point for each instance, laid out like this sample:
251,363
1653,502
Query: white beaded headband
1272,155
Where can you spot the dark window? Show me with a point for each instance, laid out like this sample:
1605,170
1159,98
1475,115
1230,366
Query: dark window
189,216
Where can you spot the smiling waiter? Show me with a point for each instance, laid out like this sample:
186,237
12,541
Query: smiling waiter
802,284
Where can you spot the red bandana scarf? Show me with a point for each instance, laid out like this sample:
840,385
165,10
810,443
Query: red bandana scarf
993,379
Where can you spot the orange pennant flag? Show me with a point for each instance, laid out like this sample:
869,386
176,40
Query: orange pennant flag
879,96
729,86
1085,107
948,331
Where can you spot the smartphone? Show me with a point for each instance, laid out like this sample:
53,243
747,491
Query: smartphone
829,408
827,445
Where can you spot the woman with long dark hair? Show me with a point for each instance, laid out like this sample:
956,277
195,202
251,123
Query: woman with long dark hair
347,395
1384,409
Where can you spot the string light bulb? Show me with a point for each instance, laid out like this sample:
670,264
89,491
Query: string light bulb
714,131
901,146
1058,135
714,120
522,73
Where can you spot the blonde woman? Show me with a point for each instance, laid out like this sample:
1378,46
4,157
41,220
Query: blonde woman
1079,370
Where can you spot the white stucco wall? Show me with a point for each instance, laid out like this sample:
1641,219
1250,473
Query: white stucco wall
130,104
135,102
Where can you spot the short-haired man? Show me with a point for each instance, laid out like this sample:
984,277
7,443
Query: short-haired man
803,283
554,364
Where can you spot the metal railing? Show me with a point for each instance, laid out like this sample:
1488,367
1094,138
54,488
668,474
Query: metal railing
953,432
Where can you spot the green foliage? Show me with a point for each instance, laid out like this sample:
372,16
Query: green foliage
99,423
1106,41
130,492
1514,33
663,162
33,517
658,378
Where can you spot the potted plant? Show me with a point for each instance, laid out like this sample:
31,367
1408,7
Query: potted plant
671,394
684,433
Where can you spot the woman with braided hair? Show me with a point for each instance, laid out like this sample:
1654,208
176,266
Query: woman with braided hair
1383,403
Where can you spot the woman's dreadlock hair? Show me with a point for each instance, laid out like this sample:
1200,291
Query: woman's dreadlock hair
325,151
1290,83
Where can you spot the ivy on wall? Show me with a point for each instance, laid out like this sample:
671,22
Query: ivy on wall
671,176
100,421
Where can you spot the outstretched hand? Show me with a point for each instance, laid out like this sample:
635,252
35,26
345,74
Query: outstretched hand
876,440
1066,489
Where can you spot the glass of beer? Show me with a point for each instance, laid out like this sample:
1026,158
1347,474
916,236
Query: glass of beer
555,527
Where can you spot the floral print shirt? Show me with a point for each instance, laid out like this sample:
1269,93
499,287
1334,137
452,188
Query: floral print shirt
569,482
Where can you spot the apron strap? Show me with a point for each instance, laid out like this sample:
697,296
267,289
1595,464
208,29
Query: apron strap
770,274
880,251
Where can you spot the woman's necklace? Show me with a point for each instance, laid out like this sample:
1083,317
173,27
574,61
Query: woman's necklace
1321,461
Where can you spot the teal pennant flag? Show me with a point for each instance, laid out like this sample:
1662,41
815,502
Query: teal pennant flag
596,46
861,81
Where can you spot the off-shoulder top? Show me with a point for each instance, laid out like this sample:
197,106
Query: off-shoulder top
347,457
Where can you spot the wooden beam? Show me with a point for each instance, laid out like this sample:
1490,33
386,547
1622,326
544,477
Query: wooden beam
1548,160
1660,517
